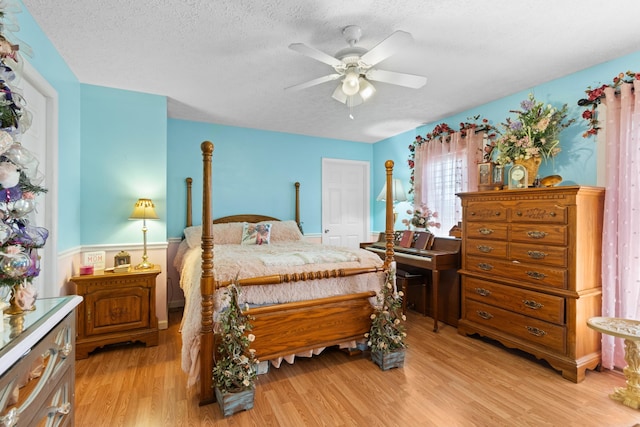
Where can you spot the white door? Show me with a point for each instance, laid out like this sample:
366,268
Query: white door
41,140
345,202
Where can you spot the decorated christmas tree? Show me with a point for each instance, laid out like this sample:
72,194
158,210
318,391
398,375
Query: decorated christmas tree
20,179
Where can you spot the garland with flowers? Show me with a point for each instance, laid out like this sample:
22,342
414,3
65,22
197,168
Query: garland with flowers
443,132
594,97
19,176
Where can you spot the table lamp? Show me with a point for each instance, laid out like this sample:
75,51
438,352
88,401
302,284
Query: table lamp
144,209
397,193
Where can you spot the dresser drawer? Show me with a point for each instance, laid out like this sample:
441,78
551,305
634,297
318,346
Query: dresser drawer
535,304
530,273
543,234
491,248
538,211
534,331
484,212
481,230
543,254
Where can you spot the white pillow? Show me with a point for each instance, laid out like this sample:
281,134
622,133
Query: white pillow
223,234
285,231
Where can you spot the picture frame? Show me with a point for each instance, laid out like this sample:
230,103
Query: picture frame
121,258
518,177
490,176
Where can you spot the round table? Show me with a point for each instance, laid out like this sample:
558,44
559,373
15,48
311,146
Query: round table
629,330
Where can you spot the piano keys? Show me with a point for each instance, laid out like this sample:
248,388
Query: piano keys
441,256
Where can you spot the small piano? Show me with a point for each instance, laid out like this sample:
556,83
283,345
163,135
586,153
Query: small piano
440,254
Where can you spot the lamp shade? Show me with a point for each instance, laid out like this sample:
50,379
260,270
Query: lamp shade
397,192
144,209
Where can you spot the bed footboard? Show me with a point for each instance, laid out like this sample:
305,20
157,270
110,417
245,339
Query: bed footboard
291,328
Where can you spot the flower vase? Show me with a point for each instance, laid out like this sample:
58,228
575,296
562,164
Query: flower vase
393,359
232,402
531,165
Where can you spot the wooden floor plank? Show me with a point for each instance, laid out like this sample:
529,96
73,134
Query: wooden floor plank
447,380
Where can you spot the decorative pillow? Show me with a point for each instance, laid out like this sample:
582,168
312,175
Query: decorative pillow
256,234
284,231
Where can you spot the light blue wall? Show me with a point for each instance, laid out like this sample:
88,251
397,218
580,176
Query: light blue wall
123,158
48,62
577,161
253,171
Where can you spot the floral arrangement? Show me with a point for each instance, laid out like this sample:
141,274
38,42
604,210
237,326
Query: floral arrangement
235,369
421,218
533,133
19,177
387,332
594,97
443,132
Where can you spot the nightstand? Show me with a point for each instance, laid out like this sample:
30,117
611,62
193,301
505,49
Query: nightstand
116,308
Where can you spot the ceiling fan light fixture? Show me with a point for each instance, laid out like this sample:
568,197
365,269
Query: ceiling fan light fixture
366,89
350,83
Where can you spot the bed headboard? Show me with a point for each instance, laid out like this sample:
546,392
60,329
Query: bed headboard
253,218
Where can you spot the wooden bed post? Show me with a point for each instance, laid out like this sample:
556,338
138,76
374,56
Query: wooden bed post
388,258
297,184
206,281
189,202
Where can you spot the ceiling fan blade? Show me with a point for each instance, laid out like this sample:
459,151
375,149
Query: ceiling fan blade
409,80
387,47
314,82
315,54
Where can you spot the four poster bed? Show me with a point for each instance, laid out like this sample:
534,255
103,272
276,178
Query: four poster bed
304,296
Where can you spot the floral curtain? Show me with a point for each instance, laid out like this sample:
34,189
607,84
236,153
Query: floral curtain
443,167
621,230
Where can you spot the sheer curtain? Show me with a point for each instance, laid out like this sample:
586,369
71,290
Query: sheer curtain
444,167
621,230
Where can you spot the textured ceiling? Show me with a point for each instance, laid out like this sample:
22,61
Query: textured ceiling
228,62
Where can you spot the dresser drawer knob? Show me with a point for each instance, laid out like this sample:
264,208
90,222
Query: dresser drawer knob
64,409
484,266
532,304
552,214
483,292
536,234
484,248
497,213
536,254
518,213
536,275
484,315
485,231
535,331
65,350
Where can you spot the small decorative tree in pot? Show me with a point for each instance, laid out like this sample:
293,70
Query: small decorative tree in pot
234,372
387,335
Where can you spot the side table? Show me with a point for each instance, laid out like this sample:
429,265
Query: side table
117,307
629,330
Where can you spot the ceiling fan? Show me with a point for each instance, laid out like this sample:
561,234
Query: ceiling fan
355,64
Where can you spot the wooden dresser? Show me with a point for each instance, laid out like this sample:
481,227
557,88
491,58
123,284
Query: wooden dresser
531,272
37,374
117,307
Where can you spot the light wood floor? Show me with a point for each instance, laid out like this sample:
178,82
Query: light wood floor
447,380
